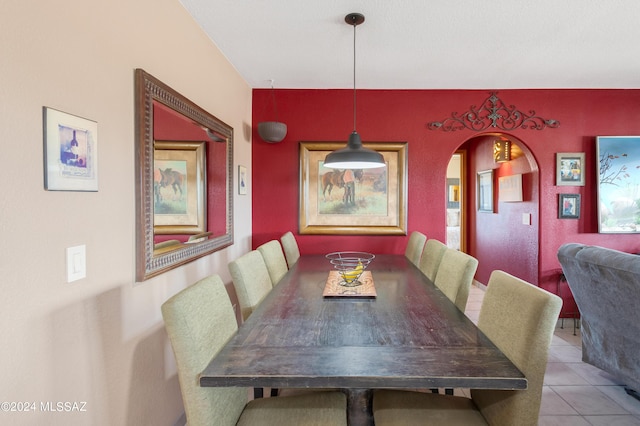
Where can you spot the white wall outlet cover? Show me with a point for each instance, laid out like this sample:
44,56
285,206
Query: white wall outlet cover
76,263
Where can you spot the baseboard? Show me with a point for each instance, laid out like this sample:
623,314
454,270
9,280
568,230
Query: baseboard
182,420
479,285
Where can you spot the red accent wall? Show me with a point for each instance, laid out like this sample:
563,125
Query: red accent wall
498,241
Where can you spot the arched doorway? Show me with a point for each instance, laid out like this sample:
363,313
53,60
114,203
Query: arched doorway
507,236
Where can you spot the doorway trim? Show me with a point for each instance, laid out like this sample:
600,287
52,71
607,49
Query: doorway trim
463,199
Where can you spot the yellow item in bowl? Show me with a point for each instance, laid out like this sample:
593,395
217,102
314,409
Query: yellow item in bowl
352,275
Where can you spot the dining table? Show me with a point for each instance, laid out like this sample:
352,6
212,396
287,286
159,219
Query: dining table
406,335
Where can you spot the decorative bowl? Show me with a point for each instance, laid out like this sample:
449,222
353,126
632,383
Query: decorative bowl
350,265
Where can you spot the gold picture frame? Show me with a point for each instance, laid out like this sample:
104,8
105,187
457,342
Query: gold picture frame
375,204
179,175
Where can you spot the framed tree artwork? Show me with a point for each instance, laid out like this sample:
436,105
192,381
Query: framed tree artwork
618,184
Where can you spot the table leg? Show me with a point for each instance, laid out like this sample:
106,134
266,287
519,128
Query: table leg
359,407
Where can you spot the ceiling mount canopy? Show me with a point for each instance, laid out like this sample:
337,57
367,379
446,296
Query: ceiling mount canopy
354,155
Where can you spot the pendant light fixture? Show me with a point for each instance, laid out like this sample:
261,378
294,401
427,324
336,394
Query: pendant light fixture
272,131
354,155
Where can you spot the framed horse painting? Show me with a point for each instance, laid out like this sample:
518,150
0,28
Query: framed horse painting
180,202
353,201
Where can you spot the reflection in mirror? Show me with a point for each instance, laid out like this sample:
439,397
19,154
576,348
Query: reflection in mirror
183,179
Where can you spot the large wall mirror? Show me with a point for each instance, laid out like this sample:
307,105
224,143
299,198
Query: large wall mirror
184,179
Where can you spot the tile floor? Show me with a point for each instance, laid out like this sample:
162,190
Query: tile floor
574,393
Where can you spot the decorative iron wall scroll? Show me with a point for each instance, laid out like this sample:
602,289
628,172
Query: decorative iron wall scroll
493,113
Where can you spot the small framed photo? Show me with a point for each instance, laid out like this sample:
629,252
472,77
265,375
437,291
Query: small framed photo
485,191
242,180
70,152
569,206
570,169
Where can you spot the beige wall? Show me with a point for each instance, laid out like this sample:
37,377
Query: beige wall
101,339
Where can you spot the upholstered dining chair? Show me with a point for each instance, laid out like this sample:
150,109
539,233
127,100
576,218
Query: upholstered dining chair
431,257
415,245
290,247
274,259
199,321
251,281
455,275
519,318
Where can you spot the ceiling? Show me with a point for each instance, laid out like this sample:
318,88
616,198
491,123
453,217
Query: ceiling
427,44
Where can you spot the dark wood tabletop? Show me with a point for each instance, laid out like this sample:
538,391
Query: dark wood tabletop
409,336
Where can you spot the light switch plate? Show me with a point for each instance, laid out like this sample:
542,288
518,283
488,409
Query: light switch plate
76,263
526,218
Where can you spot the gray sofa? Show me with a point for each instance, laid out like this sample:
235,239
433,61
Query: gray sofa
606,286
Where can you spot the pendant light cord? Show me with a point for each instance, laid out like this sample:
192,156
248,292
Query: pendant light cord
273,96
354,76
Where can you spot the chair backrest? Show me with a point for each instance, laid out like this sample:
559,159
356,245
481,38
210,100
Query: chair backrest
455,275
199,321
431,257
251,281
291,249
519,318
415,245
274,259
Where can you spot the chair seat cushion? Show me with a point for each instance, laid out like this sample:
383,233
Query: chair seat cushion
314,408
395,407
